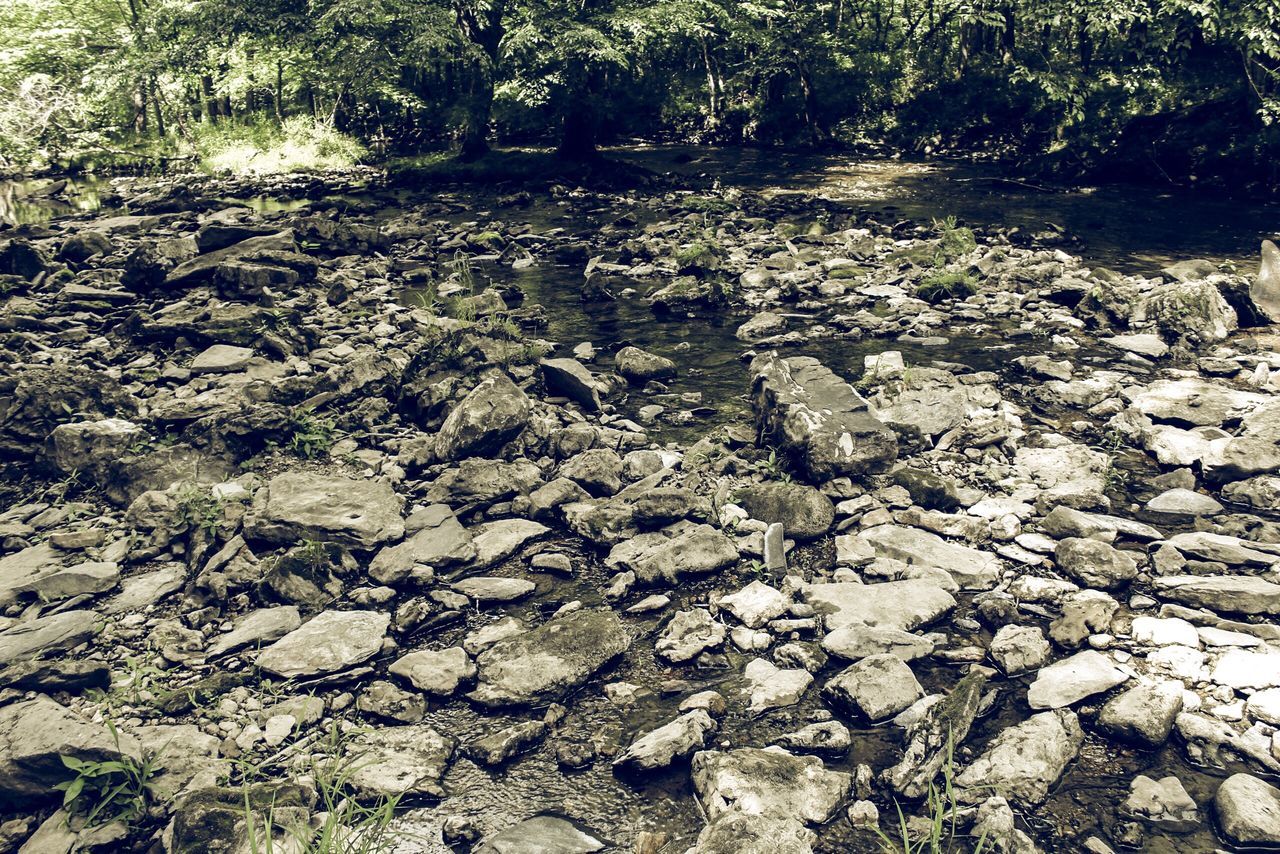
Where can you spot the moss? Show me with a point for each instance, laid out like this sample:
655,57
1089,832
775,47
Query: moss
944,286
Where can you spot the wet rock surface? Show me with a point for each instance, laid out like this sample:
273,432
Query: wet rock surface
733,554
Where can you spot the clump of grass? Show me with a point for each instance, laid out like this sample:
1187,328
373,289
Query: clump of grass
939,287
955,240
107,791
310,436
942,810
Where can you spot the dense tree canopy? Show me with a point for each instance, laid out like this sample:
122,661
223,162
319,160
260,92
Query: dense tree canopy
1174,86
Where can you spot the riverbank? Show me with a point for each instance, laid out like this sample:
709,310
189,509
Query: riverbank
651,519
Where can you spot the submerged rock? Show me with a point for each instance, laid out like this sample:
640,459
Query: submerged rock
768,782
1024,761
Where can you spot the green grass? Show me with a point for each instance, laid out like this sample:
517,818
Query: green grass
938,287
942,813
299,144
107,791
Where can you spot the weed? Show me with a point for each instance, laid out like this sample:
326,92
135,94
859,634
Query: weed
944,286
310,436
955,240
943,812
107,791
773,467
199,510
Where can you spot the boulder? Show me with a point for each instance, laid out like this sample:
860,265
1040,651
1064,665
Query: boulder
689,633
768,782
327,643
570,378
901,605
675,740
1095,564
680,550
398,761
817,418
437,672
1193,310
543,834
1024,761
1265,290
971,568
1143,714
546,663
876,686
491,415
1163,803
1248,810
641,367
1231,594
803,511
439,542
1073,679
301,505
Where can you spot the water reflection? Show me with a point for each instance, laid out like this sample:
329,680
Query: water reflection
37,201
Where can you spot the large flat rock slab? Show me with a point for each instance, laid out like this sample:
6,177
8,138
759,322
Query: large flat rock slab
327,643
972,569
770,782
298,506
901,605
546,663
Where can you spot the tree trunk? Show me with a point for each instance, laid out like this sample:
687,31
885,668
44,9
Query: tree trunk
475,128
482,27
209,99
578,135
279,91
713,94
812,116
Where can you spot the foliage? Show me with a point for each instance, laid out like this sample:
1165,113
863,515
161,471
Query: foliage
310,436
942,815
106,791
300,143
941,286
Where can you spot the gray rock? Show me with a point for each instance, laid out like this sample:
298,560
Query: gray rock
300,505
1184,502
855,641
772,687
1073,679
804,512
440,542
491,415
571,379
829,738
496,541
877,686
688,634
901,605
675,740
972,569
933,736
40,572
90,446
33,639
437,672
221,359
492,588
497,747
184,757
34,736
1024,761
769,782
1248,810
1018,649
1163,803
1095,564
544,664
542,834
1265,290
405,761
1234,594
736,832
327,643
680,550
639,366
1189,309
818,419
1144,714
756,604
265,624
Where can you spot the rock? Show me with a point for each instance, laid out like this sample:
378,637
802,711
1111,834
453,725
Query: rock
1248,810
212,820
18,257
680,550
928,490
1144,345
901,605
688,634
496,748
972,569
544,664
675,740
768,782
1233,594
755,605
202,267
327,643
818,419
933,737
90,446
599,471
830,738
38,572
1144,714
437,672
265,624
1024,761
34,736
877,686
1095,564
492,588
737,833
184,757
804,512
379,698
1019,649
1265,289
1246,669
1072,679
542,834
300,505
856,641
440,542
763,325
1184,502
399,761
570,378
33,639
1163,803
641,367
491,415
83,245
1189,309
772,687
221,359
1195,402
